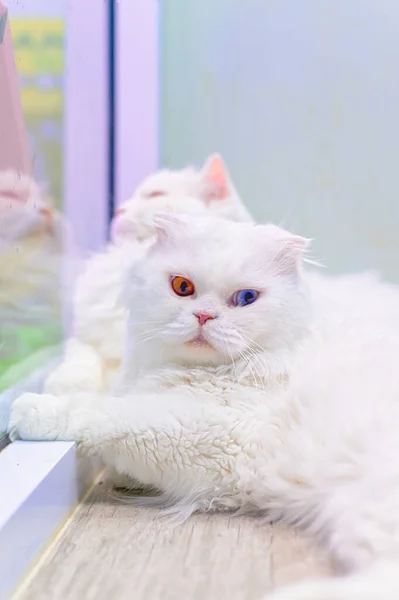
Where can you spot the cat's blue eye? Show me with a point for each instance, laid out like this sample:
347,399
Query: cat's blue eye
244,297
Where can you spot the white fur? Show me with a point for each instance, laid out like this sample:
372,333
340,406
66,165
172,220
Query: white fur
94,352
293,411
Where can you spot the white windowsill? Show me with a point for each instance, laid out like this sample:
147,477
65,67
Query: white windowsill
40,484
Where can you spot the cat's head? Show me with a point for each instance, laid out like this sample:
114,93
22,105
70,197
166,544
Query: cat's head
211,291
23,210
189,191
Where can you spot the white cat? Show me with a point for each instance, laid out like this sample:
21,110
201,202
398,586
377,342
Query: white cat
93,353
246,386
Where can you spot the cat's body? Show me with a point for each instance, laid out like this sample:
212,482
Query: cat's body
251,385
93,353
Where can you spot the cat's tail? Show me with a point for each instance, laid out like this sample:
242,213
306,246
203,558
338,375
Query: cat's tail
173,510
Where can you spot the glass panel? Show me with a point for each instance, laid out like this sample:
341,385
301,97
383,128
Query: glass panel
49,161
301,100
31,235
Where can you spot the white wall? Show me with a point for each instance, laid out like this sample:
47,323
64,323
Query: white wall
302,97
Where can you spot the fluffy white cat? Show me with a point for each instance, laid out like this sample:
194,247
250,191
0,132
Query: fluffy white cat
94,351
248,385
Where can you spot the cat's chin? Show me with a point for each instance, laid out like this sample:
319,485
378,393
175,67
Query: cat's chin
200,342
197,352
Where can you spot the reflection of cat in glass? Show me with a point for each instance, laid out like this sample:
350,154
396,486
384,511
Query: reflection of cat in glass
31,243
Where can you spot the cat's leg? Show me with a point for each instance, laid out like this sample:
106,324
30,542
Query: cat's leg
170,441
82,369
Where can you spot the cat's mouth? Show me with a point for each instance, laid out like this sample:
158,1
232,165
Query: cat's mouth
200,342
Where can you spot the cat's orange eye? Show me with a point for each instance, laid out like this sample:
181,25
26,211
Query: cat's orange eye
182,286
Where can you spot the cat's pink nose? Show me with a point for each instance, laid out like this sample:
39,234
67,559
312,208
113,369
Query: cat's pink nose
203,318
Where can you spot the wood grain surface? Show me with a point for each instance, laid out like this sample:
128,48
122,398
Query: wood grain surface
110,550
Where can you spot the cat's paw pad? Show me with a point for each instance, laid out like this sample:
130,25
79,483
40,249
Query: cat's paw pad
33,417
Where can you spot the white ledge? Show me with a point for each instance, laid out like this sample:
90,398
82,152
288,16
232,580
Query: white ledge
41,483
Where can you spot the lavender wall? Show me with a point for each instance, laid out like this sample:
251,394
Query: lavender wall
137,93
86,122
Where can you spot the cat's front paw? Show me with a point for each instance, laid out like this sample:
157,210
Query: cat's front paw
35,417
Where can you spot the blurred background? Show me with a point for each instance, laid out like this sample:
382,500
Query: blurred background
38,34
300,97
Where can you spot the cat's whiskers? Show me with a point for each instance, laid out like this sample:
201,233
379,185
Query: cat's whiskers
256,355
145,339
248,363
259,370
149,323
249,354
252,342
147,332
254,348
231,358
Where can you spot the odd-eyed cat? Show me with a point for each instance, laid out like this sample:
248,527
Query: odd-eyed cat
253,388
93,354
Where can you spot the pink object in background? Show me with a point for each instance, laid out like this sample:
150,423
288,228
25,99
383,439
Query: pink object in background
14,146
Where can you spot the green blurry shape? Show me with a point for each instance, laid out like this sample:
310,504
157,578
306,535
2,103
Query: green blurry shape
36,346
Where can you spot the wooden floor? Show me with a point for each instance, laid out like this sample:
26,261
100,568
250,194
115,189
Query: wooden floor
111,550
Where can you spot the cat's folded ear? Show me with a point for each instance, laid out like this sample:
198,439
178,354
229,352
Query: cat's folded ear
216,179
286,250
